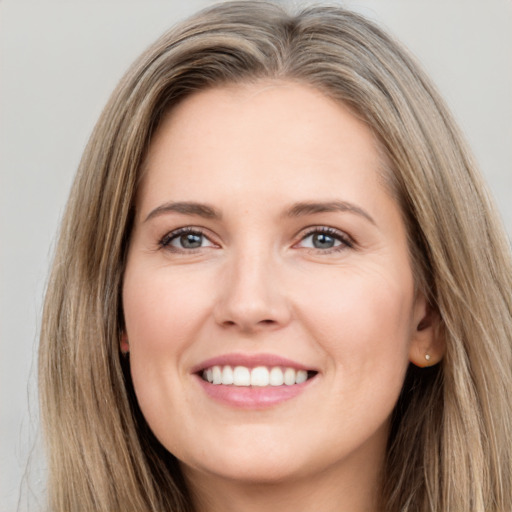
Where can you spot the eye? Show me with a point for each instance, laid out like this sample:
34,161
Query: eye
325,239
185,239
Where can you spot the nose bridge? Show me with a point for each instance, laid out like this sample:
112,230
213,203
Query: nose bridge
251,297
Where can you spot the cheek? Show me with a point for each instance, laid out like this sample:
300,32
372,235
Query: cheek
362,318
161,310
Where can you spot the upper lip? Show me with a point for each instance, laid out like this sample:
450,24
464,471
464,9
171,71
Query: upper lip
250,361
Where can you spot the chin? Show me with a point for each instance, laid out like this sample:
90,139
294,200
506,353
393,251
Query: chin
263,464
255,472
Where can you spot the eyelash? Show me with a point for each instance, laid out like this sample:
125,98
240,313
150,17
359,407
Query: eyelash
346,242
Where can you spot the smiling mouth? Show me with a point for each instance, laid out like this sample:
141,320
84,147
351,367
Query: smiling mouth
259,376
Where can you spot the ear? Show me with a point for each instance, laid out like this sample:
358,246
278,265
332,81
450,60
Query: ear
427,343
124,345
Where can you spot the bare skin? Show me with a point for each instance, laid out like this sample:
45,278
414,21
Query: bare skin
263,231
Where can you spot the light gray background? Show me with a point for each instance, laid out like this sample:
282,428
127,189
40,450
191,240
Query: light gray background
59,61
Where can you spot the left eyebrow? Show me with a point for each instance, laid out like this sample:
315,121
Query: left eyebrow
185,208
309,208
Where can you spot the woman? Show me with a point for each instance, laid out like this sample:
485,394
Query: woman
280,283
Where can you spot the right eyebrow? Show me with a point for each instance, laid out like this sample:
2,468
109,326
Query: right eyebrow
185,208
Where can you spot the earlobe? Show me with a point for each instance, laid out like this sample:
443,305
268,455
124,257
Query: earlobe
427,343
124,345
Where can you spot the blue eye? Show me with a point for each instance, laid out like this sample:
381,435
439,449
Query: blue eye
188,241
185,239
325,239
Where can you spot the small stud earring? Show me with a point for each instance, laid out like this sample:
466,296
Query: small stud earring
427,357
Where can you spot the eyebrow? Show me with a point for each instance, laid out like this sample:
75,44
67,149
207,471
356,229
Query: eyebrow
186,208
310,208
296,210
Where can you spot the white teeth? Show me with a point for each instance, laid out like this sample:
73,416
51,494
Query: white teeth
289,376
276,377
227,375
302,376
261,376
217,375
241,376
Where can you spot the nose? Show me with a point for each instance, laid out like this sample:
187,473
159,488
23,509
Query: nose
252,297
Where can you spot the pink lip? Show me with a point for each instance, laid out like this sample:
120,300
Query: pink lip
250,361
251,397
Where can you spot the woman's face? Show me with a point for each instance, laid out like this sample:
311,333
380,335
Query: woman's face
266,247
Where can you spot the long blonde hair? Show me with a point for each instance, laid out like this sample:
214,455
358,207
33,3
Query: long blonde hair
450,445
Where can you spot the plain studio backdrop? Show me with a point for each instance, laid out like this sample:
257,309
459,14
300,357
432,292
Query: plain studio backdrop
59,62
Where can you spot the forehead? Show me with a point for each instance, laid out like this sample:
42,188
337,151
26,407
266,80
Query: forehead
268,135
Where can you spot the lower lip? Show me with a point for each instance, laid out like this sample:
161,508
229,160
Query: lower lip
253,397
